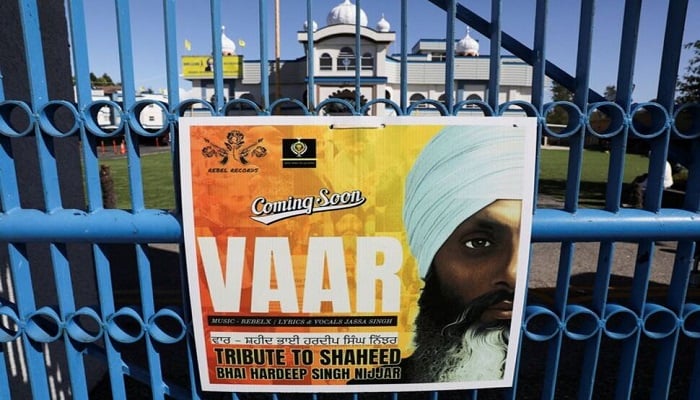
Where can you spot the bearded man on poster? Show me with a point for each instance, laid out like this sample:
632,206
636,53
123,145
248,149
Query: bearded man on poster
462,213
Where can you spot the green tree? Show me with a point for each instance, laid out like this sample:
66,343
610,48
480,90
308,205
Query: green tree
104,80
689,85
558,115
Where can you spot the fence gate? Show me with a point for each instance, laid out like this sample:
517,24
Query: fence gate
93,299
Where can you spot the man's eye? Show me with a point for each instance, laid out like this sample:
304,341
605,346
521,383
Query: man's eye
478,243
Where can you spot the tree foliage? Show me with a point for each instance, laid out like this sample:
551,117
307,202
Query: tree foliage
689,85
99,81
558,115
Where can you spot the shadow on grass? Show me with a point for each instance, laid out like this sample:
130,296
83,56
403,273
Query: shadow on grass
592,194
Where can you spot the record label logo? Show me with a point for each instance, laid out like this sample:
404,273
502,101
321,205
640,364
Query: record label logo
298,153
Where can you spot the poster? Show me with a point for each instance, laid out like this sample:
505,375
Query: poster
343,253
203,67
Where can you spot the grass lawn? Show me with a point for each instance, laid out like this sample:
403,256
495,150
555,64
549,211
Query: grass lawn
157,177
159,190
594,174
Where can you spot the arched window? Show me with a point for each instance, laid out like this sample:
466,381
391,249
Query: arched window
247,96
474,97
346,59
415,97
325,63
367,61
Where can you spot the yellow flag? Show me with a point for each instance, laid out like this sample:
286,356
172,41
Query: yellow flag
241,42
188,45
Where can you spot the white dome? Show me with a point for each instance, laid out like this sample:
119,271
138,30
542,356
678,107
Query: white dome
344,13
228,48
314,25
467,46
383,25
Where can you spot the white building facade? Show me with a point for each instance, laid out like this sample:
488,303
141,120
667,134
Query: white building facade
335,60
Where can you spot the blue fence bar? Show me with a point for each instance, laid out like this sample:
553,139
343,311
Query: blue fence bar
149,315
495,54
310,55
450,50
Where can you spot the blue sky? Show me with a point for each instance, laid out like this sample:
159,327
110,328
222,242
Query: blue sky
425,20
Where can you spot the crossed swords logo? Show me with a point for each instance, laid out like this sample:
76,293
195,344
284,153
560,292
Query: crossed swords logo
234,146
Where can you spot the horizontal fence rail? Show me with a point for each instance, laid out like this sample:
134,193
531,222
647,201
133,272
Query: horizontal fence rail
89,289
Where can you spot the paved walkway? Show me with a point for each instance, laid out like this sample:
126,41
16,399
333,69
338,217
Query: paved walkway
545,259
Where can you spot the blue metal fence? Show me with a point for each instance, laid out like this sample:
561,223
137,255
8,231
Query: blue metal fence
641,344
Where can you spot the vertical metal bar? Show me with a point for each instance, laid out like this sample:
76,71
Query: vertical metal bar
170,31
126,57
126,64
104,288
4,376
19,263
277,50
628,53
495,56
264,63
358,58
673,38
583,63
450,54
170,25
670,60
310,61
76,12
628,45
600,295
668,346
581,100
538,77
630,346
84,97
148,309
561,294
540,58
66,304
171,60
169,18
519,353
404,56
9,200
105,295
38,91
572,184
216,32
24,292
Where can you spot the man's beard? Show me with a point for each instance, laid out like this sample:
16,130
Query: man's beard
455,345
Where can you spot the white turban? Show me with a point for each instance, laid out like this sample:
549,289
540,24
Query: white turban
459,172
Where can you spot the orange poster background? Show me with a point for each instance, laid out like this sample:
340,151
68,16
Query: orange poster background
228,163
374,161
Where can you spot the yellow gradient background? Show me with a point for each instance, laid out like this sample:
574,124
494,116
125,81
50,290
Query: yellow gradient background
375,161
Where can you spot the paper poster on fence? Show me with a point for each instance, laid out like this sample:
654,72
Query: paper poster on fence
356,253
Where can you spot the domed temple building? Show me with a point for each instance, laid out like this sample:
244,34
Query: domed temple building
335,64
